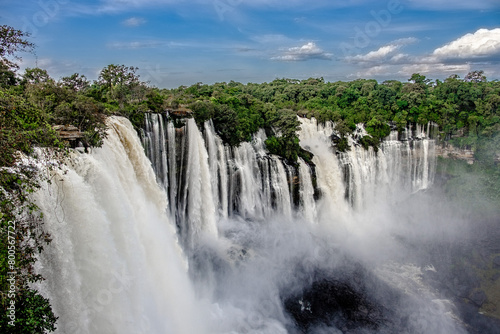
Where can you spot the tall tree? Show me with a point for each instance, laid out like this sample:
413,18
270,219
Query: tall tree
475,76
117,75
76,82
12,41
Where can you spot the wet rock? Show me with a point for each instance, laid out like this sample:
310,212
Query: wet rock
496,261
447,150
333,302
478,298
478,323
335,138
350,299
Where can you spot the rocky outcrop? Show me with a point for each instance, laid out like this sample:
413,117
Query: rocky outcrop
337,303
449,151
180,112
68,132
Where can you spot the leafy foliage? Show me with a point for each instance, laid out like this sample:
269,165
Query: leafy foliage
33,314
22,126
12,41
466,111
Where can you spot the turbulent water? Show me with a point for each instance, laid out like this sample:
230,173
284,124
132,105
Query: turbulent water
182,234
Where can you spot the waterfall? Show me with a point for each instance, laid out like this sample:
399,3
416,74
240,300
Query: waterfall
197,213
365,176
106,215
213,180
316,138
247,182
306,192
177,232
280,186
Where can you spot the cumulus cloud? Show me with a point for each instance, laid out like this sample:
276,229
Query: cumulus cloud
453,58
481,44
379,54
305,52
134,22
400,58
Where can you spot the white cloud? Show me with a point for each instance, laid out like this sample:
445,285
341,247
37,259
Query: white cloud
305,52
386,52
434,69
482,43
375,71
400,58
379,54
456,57
134,22
392,71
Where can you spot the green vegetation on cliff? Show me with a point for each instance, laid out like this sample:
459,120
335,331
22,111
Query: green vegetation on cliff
23,126
465,110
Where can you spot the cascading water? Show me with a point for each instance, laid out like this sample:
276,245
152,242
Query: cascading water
105,212
398,168
267,242
241,180
307,192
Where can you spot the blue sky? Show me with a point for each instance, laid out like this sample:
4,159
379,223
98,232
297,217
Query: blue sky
181,42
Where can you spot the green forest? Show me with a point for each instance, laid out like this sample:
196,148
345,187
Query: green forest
466,110
32,103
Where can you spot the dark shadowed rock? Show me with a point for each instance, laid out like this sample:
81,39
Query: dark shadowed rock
335,303
350,299
478,298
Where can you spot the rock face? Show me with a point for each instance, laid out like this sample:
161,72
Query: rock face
68,132
446,150
333,302
350,299
180,112
496,261
478,298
